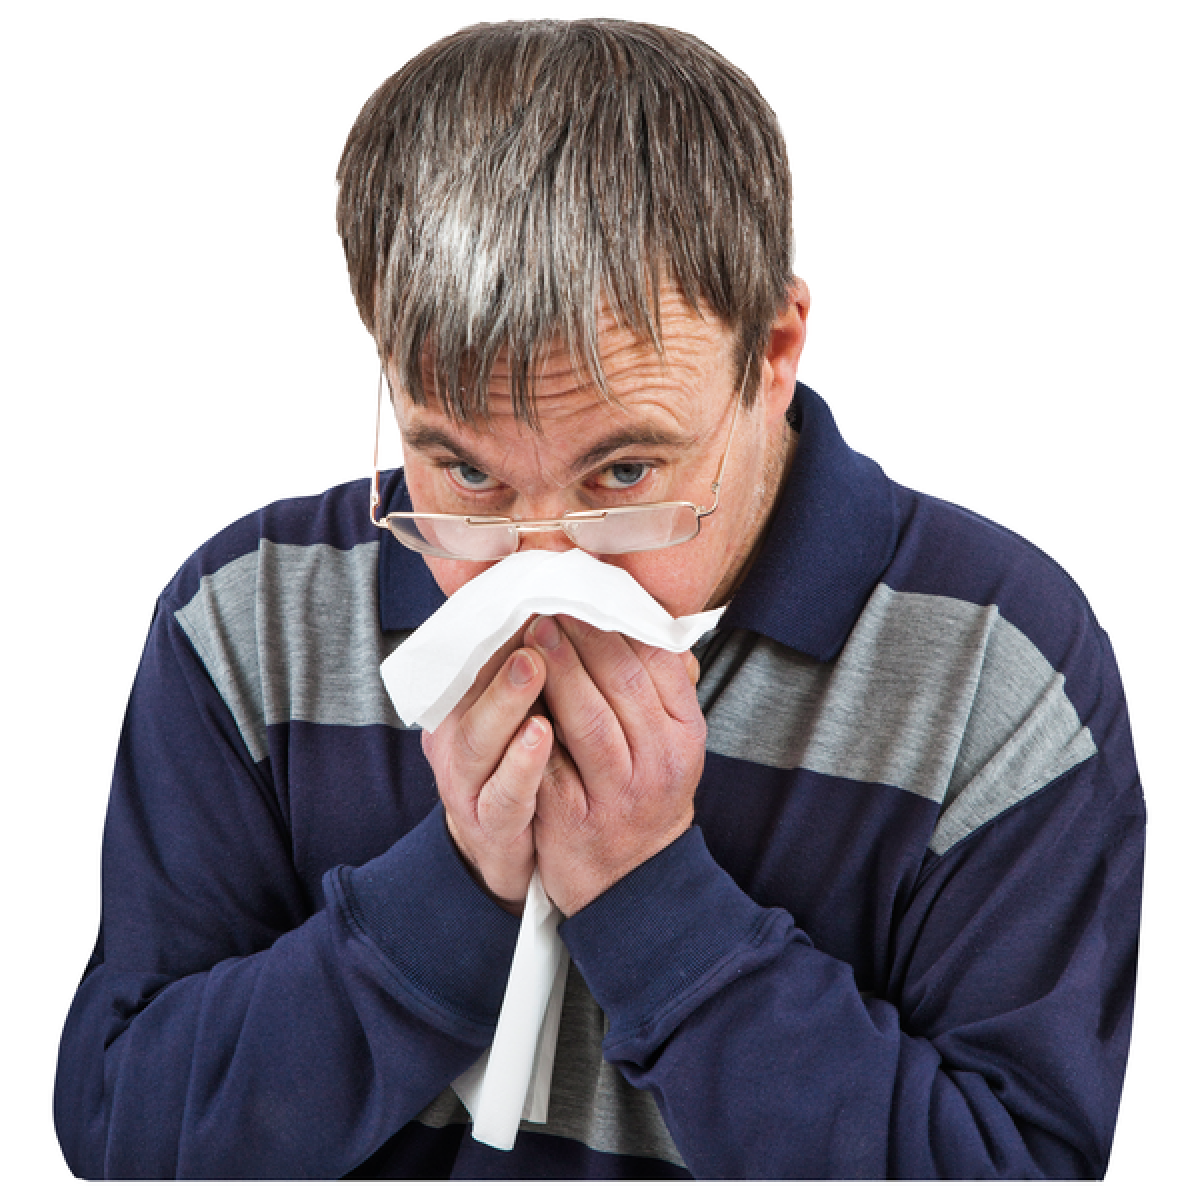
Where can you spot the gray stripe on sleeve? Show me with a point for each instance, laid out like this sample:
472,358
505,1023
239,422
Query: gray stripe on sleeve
220,623
291,633
937,696
321,641
1023,734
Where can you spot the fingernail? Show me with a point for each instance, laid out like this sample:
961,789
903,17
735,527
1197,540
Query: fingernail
545,633
521,669
533,733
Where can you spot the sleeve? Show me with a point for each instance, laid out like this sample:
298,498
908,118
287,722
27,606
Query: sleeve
995,1048
222,1028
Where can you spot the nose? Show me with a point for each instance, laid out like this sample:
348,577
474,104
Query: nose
550,539
547,506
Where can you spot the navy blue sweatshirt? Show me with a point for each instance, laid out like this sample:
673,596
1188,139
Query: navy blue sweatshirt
899,940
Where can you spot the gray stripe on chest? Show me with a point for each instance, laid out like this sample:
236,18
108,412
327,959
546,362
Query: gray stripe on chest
938,696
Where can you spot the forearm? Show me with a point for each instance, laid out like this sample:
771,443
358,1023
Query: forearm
298,1061
790,1073
768,1063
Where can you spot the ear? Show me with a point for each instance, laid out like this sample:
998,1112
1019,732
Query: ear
782,359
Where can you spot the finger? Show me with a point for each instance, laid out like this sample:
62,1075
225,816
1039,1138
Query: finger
489,671
584,720
508,799
561,797
611,662
484,732
674,677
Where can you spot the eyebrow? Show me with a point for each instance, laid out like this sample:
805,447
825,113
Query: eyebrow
424,438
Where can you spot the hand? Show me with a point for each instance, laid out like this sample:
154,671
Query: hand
488,757
628,754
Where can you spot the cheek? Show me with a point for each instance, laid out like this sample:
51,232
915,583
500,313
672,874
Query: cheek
679,579
452,573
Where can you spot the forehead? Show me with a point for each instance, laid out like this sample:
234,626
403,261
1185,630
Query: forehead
674,384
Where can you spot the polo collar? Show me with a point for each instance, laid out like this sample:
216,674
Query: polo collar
832,536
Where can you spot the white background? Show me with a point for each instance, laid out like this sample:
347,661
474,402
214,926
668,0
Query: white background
996,212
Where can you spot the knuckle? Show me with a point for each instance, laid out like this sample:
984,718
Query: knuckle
674,761
656,658
499,795
661,663
498,711
471,740
629,677
594,729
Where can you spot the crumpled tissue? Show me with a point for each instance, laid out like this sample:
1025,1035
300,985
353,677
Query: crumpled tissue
425,678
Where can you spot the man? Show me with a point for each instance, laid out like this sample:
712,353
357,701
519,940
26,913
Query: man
851,893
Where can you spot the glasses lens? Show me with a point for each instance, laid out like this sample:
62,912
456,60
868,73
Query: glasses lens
622,531
453,537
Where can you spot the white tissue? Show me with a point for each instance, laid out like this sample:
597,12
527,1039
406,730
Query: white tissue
511,1080
426,677
436,665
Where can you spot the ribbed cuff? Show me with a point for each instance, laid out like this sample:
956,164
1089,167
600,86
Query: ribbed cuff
444,935
647,943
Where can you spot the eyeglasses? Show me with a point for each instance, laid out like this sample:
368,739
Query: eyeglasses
627,529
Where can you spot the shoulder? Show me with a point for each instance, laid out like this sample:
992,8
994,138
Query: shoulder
1005,626
296,529
282,610
952,567
943,550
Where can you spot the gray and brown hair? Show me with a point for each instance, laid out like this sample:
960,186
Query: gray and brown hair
511,178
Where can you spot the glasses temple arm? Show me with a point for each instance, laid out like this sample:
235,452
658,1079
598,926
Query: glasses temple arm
375,461
716,484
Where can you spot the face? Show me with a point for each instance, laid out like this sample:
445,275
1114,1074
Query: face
661,441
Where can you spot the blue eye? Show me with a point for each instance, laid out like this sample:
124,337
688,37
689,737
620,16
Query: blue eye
626,474
471,477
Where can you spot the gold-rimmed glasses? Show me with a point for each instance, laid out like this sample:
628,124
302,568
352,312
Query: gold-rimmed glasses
623,529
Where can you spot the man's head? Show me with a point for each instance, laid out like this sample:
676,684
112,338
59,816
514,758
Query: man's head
568,232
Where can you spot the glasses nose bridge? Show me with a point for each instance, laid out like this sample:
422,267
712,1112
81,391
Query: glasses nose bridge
540,516
537,525
555,528
551,539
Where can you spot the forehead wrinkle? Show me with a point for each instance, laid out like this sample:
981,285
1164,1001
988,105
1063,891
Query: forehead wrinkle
647,405
634,368
687,337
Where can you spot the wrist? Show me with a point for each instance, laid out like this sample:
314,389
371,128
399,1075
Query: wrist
577,889
647,942
446,941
